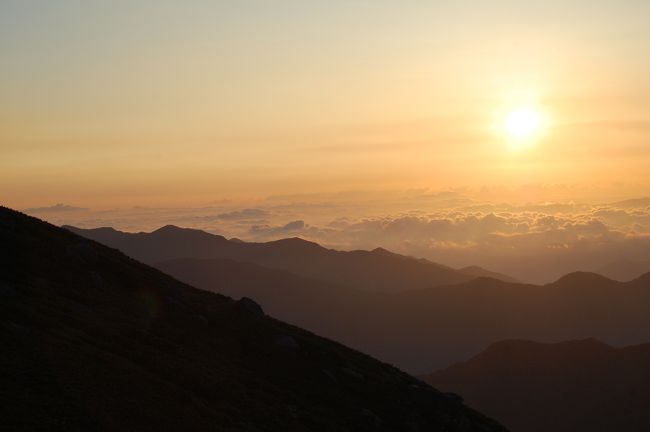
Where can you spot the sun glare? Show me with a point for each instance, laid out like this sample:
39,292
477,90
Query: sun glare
523,124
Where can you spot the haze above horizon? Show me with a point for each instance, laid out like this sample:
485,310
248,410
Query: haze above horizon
169,103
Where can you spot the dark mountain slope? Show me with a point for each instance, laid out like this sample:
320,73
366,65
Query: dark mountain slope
377,270
310,302
93,340
418,330
474,314
564,387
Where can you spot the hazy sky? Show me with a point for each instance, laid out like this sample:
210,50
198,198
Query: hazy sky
187,102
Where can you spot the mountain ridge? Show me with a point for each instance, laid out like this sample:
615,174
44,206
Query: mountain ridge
578,385
434,327
370,270
94,340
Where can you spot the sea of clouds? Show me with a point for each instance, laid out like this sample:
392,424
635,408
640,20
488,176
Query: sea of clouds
534,242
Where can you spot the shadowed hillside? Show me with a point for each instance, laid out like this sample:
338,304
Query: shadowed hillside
93,340
432,328
577,386
377,270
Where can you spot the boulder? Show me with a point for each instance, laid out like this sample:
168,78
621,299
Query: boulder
250,306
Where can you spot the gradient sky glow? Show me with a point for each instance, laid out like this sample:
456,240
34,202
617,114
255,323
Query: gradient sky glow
162,102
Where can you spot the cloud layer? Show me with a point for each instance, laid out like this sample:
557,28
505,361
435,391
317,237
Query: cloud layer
536,242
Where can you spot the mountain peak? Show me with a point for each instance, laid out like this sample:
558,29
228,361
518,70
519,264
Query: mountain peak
477,271
296,242
581,278
169,229
174,230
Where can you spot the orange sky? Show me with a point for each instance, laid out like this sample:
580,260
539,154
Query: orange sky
189,102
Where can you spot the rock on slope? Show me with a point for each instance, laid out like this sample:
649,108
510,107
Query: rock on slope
93,340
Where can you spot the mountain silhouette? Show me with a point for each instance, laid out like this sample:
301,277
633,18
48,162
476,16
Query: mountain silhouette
377,270
94,340
575,386
624,270
477,271
421,330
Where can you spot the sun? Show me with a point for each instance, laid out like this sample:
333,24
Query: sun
523,124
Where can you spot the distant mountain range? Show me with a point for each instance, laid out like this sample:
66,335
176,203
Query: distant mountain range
94,340
624,270
417,330
377,270
477,271
576,386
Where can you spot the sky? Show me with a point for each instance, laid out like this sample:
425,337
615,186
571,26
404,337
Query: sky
506,134
122,103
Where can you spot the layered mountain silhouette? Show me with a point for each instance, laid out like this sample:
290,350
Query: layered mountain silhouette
417,330
477,271
94,340
376,270
576,386
624,270
432,328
